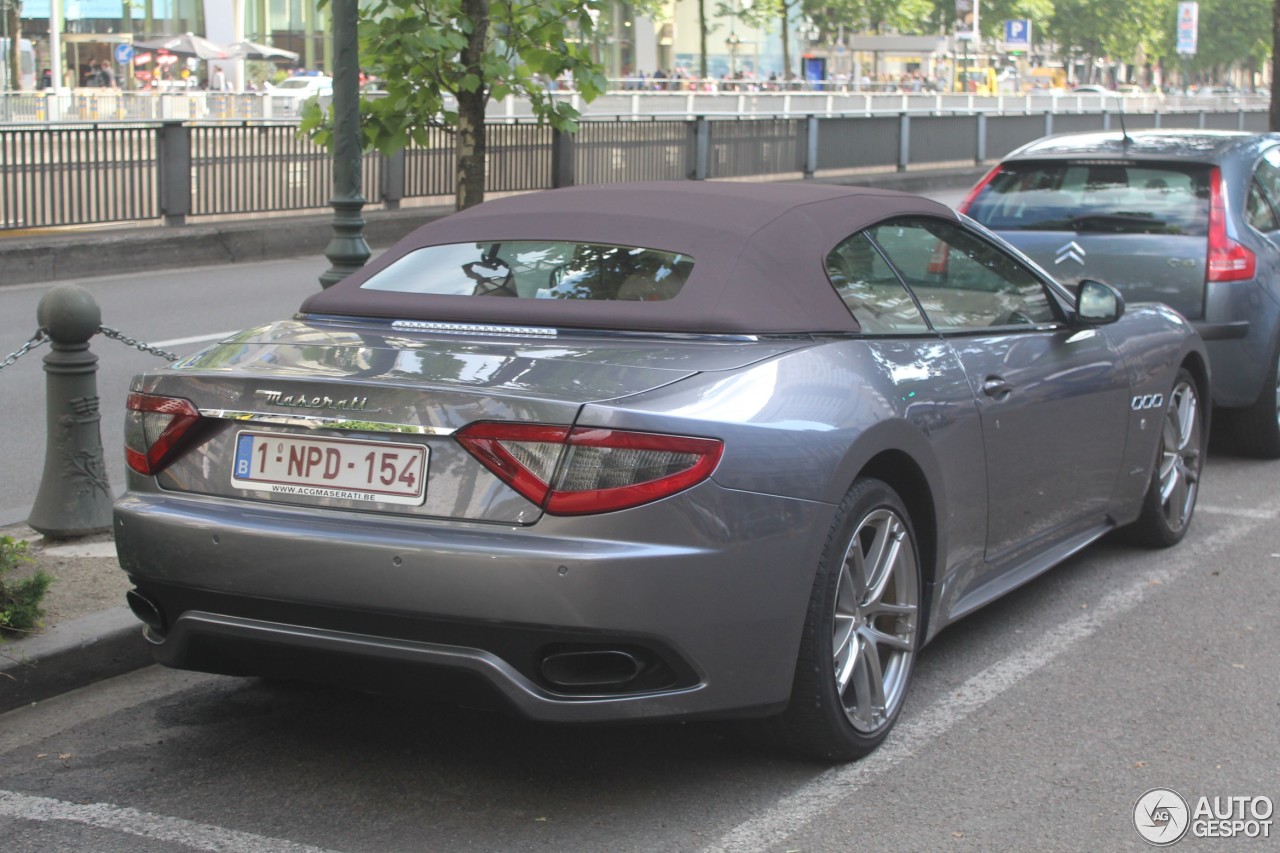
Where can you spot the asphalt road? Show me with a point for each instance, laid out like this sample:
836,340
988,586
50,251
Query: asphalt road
1036,723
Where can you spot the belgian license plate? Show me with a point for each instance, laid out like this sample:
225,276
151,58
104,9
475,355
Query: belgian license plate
348,468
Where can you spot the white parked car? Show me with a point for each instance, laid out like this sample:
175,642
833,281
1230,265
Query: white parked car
288,95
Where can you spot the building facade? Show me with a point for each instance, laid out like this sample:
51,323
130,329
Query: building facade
91,32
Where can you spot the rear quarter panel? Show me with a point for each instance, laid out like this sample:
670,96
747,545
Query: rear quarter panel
1154,341
804,425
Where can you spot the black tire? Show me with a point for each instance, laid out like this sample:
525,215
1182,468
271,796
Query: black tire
835,716
1257,428
1170,500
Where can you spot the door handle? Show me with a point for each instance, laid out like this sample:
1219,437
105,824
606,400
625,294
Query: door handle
996,387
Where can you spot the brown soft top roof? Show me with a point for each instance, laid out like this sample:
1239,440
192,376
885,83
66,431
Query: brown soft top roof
758,252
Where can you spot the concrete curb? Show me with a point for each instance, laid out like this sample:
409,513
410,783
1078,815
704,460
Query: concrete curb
70,655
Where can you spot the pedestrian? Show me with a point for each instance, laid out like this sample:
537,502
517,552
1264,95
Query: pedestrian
106,75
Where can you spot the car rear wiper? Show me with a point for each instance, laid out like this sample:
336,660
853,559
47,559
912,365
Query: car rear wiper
1123,222
1119,223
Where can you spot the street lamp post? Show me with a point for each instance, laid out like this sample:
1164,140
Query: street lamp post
347,251
732,42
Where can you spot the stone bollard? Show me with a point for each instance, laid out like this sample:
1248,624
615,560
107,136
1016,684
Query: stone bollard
74,497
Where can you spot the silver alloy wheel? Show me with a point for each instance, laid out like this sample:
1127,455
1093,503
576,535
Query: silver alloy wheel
1180,453
1277,397
874,630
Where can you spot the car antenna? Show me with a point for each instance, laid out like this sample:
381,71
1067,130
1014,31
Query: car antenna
1124,134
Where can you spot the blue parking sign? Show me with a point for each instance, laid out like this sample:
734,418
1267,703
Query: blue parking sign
1017,34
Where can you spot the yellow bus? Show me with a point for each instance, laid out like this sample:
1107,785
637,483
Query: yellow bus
1047,77
977,80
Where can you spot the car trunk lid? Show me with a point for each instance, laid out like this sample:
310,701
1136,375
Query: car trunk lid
363,417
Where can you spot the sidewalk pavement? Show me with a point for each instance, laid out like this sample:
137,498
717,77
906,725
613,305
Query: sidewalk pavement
96,639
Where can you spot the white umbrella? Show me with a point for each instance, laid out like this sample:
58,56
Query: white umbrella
253,50
186,45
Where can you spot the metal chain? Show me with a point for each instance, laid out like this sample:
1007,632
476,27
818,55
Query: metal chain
138,345
36,340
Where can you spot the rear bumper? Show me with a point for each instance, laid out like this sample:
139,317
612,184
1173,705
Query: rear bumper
1222,331
712,602
1240,327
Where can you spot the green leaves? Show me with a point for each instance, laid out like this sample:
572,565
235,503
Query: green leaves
20,610
441,61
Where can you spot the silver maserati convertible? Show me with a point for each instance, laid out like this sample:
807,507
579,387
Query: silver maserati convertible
649,451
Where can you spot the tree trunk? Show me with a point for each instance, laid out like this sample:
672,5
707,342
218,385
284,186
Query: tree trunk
702,39
15,51
470,137
786,45
1273,120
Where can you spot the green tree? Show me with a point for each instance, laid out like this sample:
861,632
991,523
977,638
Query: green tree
12,11
763,14
908,17
1273,121
476,51
705,28
996,12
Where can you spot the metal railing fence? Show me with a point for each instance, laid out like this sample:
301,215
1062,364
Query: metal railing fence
262,169
616,151
111,172
77,175
199,105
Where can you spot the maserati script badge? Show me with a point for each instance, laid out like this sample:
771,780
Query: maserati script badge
302,401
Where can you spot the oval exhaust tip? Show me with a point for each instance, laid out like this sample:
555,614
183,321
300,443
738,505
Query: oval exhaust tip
597,668
147,611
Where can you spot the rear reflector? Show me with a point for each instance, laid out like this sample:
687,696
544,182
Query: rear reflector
154,430
583,470
1228,260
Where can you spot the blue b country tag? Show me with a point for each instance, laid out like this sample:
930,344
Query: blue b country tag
244,455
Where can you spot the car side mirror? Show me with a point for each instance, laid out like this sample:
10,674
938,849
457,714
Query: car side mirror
1098,304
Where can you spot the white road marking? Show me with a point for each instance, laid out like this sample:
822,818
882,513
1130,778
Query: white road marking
1239,511
197,836
795,812
198,339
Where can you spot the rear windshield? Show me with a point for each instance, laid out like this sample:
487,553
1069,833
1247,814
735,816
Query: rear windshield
527,269
1096,197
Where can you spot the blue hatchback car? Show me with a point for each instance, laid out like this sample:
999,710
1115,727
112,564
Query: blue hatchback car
1190,218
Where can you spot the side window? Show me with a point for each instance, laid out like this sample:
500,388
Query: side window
1258,210
871,291
1264,193
962,282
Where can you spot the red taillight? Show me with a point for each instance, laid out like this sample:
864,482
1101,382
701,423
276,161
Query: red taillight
581,470
1228,260
977,189
153,430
